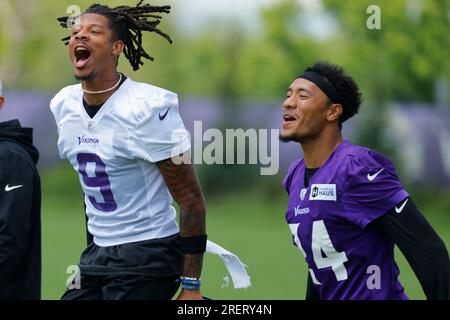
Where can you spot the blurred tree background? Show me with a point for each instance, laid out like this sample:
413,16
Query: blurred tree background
405,60
231,60
401,61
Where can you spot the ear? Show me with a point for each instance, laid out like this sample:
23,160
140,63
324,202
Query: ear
334,112
118,47
2,101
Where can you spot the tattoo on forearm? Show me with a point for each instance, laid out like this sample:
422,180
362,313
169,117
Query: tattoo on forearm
192,266
185,188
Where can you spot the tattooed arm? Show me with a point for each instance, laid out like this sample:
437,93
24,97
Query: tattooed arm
185,188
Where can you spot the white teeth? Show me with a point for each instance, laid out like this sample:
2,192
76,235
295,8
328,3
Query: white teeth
81,49
288,118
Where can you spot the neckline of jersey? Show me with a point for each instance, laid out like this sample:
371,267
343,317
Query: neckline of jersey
342,145
96,119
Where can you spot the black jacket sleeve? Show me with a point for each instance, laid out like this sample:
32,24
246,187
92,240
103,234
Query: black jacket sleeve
16,192
311,290
421,246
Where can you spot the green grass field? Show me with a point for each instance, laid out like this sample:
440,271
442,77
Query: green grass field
249,224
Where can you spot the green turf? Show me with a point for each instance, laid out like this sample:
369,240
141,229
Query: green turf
249,224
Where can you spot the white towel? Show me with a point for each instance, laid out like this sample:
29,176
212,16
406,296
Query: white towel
233,264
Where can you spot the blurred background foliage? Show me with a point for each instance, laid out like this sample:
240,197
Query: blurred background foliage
403,61
232,60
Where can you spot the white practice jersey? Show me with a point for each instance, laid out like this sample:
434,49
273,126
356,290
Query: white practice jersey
114,154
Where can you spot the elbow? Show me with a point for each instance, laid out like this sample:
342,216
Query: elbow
440,252
195,209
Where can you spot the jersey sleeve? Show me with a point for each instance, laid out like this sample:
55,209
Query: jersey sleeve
373,188
54,109
161,134
57,102
288,179
57,107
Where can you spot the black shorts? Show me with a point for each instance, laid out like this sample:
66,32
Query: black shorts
139,270
126,287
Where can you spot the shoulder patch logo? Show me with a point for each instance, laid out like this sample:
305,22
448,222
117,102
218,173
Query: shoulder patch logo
325,192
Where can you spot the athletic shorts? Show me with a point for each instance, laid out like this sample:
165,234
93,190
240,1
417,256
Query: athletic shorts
138,271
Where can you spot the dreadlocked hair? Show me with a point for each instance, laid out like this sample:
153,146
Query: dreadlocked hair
128,23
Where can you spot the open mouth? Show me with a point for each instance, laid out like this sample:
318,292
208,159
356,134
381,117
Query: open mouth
287,118
82,55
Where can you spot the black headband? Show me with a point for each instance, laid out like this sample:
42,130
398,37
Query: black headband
323,84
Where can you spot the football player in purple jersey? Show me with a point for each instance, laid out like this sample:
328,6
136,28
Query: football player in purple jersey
347,207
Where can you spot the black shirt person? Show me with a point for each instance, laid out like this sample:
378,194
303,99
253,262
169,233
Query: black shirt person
20,205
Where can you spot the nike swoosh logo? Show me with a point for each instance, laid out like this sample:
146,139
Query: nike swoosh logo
8,188
373,176
398,210
162,117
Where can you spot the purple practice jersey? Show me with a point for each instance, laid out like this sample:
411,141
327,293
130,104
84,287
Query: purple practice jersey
330,223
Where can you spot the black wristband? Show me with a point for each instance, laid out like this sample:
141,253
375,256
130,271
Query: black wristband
194,245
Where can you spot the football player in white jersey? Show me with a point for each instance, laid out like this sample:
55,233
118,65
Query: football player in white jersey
120,136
